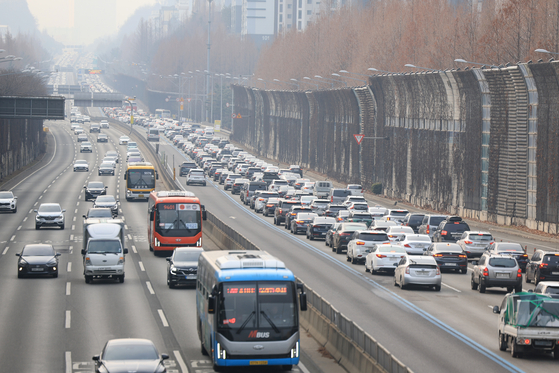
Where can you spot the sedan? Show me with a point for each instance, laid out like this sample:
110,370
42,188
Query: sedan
123,140
107,201
319,227
81,165
106,168
94,189
182,266
509,248
37,259
111,160
414,244
82,137
270,206
396,232
130,355
112,153
384,258
449,256
361,243
86,147
474,244
102,138
418,270
8,202
302,219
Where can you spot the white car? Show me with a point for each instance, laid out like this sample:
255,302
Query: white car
381,225
397,232
308,187
358,206
350,199
362,242
384,258
196,176
356,189
86,147
81,165
111,160
8,202
414,244
274,186
307,200
123,140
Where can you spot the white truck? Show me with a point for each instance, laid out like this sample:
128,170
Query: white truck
103,249
529,322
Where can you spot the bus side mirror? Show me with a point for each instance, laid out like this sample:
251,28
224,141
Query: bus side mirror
125,176
156,175
303,301
204,215
151,215
211,304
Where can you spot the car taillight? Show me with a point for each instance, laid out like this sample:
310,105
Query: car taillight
332,199
427,231
261,199
391,236
407,245
444,233
437,255
491,243
462,256
407,270
524,256
360,243
438,271
468,242
280,211
384,256
485,272
519,274
269,205
345,234
247,193
543,265
300,222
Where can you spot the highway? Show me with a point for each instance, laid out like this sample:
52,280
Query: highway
57,325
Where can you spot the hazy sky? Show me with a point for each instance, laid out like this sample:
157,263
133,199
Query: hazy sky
54,13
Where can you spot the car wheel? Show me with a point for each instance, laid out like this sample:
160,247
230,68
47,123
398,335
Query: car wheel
37,226
374,271
402,286
121,279
536,278
171,285
55,275
395,283
502,342
437,287
203,350
526,278
353,261
556,353
464,271
366,268
15,210
62,226
510,289
518,288
287,368
339,249
88,279
514,349
481,287
348,258
311,237
473,283
19,275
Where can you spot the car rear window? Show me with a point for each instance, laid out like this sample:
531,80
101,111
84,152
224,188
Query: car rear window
415,219
373,237
551,259
341,193
502,262
480,237
337,208
436,220
453,227
96,184
552,290
257,187
510,247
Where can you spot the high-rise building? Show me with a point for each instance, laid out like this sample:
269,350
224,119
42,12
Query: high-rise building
259,20
296,14
93,19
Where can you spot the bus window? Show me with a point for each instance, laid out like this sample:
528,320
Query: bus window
142,179
178,220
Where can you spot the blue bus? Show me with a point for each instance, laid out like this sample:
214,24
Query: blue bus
247,309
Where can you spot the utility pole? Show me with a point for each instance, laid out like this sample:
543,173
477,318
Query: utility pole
208,64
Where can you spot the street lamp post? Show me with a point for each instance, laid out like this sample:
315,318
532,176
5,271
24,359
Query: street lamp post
349,77
474,63
541,50
296,82
307,78
209,47
262,80
419,67
381,71
332,83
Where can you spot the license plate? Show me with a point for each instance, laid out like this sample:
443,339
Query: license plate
422,273
141,196
555,273
190,277
37,269
503,275
259,362
451,264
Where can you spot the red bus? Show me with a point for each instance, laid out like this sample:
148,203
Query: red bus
174,220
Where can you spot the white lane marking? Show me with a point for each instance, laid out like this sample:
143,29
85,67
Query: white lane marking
69,368
181,363
71,249
75,211
150,288
73,227
68,319
45,191
35,205
134,249
120,210
68,288
130,237
78,203
25,219
450,287
71,237
31,210
163,319
18,228
125,226
142,268
5,250
302,367
13,238
74,218
40,197
69,267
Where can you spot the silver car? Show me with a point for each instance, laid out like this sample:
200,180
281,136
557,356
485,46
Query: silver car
418,270
49,214
8,202
474,243
496,270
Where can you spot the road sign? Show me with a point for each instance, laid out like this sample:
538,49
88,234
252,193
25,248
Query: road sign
233,116
239,116
188,99
358,138
181,99
177,99
182,107
227,104
167,99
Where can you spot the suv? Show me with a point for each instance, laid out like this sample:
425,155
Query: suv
543,266
196,176
361,243
548,287
292,214
185,167
450,230
86,147
496,270
343,235
95,127
229,180
413,220
249,189
49,214
281,211
430,223
8,201
301,221
338,195
94,189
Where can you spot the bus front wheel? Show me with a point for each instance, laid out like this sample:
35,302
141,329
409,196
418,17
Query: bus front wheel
203,350
287,368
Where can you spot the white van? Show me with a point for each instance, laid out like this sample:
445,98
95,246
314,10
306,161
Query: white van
153,134
322,189
209,131
103,254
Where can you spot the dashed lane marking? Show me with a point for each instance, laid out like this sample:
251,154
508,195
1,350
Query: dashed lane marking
13,238
5,250
134,249
163,318
68,288
150,289
68,319
69,267
141,266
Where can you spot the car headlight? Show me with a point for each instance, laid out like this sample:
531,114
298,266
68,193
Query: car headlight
22,262
37,217
173,270
51,262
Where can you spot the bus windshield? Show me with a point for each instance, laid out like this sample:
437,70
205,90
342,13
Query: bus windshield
178,219
141,179
257,305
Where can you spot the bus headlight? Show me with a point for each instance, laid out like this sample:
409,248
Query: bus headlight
295,350
221,354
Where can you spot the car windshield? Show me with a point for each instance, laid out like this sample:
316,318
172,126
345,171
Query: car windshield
436,220
6,195
103,246
130,352
106,165
95,184
111,154
373,237
50,208
81,161
510,247
415,219
552,290
453,227
99,213
418,238
38,251
452,248
178,219
502,262
105,199
187,256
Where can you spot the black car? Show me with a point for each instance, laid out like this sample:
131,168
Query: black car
98,213
292,213
107,201
543,266
37,259
450,230
413,220
268,177
513,249
283,208
130,355
270,206
94,189
182,266
106,169
185,167
449,256
342,235
319,227
333,209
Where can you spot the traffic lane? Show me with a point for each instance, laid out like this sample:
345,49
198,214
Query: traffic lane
345,288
